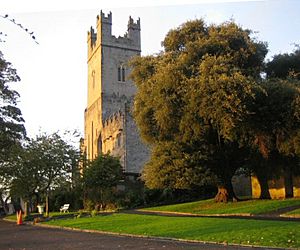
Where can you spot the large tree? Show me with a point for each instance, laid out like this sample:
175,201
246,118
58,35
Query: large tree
172,165
196,94
12,130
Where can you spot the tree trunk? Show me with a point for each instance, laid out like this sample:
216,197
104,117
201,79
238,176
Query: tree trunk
4,205
288,183
26,211
264,187
225,192
37,197
222,195
47,205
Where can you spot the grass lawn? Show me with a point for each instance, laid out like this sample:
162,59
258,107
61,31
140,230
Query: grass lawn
211,207
11,217
237,231
295,212
32,215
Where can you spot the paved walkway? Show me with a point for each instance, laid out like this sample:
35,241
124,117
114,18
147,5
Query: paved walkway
23,237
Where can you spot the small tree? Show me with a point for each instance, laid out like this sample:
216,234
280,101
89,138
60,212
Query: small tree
46,162
100,178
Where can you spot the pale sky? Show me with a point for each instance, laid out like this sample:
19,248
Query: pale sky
53,73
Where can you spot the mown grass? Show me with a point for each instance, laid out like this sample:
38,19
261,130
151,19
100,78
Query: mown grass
294,212
33,215
11,217
232,231
241,207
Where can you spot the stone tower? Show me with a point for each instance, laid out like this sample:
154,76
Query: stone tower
109,126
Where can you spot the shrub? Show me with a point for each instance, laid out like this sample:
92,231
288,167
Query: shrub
94,213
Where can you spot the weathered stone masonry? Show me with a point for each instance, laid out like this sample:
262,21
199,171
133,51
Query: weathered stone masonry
109,125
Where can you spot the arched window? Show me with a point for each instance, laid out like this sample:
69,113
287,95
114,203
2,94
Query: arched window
121,73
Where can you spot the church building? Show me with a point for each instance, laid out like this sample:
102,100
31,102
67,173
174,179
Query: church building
109,125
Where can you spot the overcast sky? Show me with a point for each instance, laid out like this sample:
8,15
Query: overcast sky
53,73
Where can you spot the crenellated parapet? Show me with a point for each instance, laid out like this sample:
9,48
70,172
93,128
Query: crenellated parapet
116,118
104,24
134,25
91,40
134,31
131,40
104,19
113,136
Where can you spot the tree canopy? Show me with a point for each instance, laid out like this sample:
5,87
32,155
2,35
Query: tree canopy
12,130
100,178
284,65
272,128
44,164
196,95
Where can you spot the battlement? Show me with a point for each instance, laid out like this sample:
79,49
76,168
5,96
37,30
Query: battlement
113,119
103,36
92,38
102,18
133,25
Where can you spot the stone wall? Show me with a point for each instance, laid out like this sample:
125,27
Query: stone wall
113,136
137,153
92,128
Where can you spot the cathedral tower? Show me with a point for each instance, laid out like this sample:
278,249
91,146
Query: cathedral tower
110,92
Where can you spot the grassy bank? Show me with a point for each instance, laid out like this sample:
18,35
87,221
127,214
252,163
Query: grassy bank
232,231
242,207
294,212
